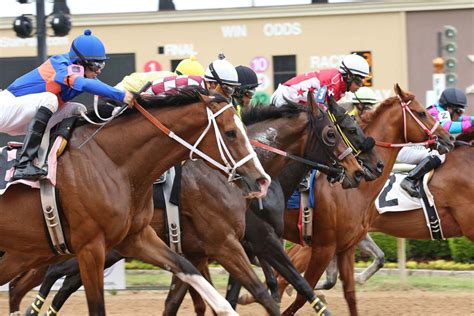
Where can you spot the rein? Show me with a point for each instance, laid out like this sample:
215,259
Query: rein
315,165
229,167
432,138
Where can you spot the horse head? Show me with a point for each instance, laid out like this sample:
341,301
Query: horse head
234,148
338,154
362,146
419,126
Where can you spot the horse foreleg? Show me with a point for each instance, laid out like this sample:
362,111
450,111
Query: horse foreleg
319,259
368,245
232,293
199,304
275,255
176,294
345,262
299,257
148,247
22,285
232,257
91,258
331,276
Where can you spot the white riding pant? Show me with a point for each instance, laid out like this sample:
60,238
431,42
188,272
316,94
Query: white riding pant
415,154
17,112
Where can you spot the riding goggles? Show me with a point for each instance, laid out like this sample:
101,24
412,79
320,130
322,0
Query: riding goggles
95,65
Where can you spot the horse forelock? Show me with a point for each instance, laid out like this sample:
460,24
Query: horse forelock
261,113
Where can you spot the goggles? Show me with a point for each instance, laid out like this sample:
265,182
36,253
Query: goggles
359,81
459,111
95,65
229,90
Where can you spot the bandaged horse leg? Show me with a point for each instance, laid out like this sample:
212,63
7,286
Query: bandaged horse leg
22,284
369,246
146,246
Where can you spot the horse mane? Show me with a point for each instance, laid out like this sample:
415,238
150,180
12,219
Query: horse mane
260,113
373,115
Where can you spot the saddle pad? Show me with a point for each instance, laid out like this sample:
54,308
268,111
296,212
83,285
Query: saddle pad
393,198
7,160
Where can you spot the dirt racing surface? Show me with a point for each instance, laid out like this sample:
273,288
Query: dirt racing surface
411,302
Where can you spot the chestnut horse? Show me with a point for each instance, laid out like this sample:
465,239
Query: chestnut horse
303,131
342,218
105,190
454,209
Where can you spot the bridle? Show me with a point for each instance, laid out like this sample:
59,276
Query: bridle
230,165
432,139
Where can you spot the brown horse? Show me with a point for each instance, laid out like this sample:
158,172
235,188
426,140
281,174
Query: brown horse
214,227
105,191
453,201
342,218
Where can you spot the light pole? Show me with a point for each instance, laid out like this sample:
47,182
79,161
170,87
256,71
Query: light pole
41,31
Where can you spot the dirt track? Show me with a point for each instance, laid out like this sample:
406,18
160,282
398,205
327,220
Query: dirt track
412,302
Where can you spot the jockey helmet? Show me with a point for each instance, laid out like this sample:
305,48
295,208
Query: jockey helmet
87,47
222,72
354,65
364,95
453,97
190,67
247,78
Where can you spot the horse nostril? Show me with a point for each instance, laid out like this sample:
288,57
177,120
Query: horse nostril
380,166
358,175
452,138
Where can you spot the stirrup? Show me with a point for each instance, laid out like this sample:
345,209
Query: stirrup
408,187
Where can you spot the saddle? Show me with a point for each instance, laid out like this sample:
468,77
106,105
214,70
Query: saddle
393,198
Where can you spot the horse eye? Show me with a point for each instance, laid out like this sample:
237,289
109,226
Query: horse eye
421,114
231,134
331,134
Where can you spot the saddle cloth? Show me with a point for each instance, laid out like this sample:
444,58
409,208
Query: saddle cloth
7,160
394,198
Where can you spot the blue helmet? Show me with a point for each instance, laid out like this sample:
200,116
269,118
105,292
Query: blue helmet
453,97
87,47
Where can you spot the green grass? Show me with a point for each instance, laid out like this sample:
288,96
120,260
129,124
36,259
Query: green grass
376,283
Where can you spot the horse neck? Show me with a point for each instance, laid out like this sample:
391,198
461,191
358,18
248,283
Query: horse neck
291,176
140,150
287,134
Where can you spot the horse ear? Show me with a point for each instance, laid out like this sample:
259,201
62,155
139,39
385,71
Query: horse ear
399,91
205,98
312,105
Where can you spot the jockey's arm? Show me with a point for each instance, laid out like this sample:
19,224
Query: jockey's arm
464,123
95,86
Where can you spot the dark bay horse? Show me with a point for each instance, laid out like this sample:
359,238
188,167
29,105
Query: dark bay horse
454,208
342,217
264,229
105,190
214,226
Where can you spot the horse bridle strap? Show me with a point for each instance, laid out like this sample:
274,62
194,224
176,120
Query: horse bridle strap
229,167
431,140
315,165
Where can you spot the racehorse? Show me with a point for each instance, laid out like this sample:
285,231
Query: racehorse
304,131
105,189
264,229
455,212
346,217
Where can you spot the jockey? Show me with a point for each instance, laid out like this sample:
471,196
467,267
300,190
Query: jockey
336,82
363,100
220,76
30,101
452,104
248,84
449,111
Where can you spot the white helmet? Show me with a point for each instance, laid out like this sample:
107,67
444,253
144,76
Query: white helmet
355,65
365,95
221,71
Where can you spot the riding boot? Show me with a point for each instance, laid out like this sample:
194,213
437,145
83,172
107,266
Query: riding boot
410,183
24,168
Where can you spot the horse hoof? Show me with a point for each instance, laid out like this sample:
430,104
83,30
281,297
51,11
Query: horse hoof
17,313
322,297
245,299
289,290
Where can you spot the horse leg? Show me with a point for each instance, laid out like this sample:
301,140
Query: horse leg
320,258
233,258
14,264
148,247
91,258
232,292
300,260
72,282
331,276
270,279
368,245
198,302
345,261
176,294
22,284
276,256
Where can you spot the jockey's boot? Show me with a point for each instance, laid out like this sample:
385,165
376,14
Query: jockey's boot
24,168
410,183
